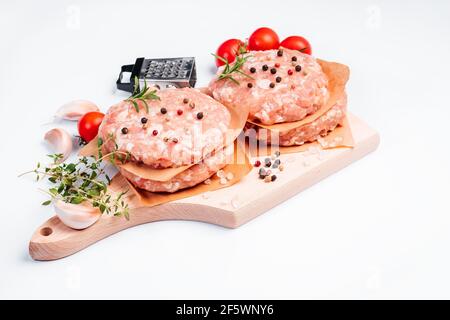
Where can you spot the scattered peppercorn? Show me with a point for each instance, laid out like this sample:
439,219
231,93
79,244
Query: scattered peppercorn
249,85
272,85
273,71
268,164
262,173
267,179
265,67
192,105
185,100
278,79
266,160
298,68
257,163
179,112
124,130
292,86
155,132
277,65
273,178
174,140
277,153
252,70
290,72
294,58
163,110
200,115
280,53
144,120
166,139
277,161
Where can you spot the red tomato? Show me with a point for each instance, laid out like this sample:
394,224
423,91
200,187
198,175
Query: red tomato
229,50
263,39
88,125
297,43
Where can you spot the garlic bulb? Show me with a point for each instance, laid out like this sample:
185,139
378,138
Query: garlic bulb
61,141
77,216
74,110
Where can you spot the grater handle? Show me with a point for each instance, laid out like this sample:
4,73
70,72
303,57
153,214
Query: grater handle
126,86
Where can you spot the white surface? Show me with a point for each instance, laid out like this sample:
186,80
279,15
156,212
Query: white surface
378,229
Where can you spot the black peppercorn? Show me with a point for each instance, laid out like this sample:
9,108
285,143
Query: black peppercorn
268,164
163,110
294,58
124,130
265,67
273,71
185,100
252,70
144,120
200,115
298,68
280,53
272,85
249,85
278,79
273,177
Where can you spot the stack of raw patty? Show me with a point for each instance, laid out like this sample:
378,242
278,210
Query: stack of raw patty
183,128
287,86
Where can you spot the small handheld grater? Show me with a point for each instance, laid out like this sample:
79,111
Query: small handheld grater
165,73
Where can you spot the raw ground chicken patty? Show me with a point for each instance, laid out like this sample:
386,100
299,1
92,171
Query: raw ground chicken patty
299,92
309,132
188,178
178,137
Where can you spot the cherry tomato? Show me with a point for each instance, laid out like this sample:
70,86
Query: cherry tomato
297,43
263,39
88,125
229,50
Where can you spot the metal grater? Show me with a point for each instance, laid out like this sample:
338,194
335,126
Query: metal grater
165,73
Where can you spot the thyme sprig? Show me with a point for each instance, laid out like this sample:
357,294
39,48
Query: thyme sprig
84,180
230,70
142,95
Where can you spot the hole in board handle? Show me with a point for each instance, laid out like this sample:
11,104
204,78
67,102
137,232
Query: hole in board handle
46,231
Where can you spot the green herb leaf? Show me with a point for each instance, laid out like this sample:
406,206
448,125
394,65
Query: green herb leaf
235,68
46,203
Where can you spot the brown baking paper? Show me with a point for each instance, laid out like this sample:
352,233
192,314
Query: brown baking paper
239,165
237,123
337,75
340,137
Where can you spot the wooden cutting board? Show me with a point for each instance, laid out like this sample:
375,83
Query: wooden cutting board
229,207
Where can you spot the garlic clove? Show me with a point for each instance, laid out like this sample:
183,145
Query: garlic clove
61,141
74,110
77,216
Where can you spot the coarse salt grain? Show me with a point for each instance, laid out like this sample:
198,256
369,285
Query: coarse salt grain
235,203
223,181
220,174
206,195
207,181
230,176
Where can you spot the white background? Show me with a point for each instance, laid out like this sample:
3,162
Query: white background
378,229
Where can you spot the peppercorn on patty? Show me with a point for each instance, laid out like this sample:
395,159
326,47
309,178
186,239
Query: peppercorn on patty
179,129
285,85
188,178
